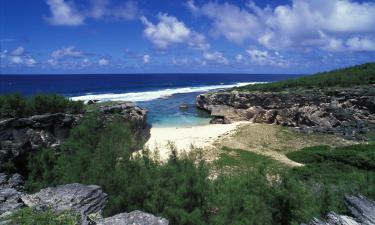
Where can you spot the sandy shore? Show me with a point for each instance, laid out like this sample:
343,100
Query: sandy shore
184,137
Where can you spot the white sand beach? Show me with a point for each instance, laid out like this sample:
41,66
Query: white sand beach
184,137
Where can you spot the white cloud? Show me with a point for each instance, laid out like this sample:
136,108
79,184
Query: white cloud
102,8
17,57
170,31
103,62
259,57
239,58
361,44
216,57
30,61
331,25
146,59
64,14
20,50
3,54
229,20
180,61
70,51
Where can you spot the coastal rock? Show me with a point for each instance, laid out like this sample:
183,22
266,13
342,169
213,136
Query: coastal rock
133,115
134,218
348,112
184,106
19,137
361,209
10,194
81,199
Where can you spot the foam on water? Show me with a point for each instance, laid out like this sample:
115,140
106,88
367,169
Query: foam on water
152,95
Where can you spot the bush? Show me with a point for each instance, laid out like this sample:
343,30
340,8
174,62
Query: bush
256,190
30,216
16,105
333,172
102,156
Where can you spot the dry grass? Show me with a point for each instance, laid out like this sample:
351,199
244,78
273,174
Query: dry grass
274,141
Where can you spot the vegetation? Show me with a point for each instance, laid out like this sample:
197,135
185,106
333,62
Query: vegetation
31,216
240,188
337,171
17,105
351,76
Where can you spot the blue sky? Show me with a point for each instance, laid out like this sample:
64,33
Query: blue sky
166,36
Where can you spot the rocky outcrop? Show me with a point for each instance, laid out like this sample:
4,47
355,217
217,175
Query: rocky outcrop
346,112
133,218
87,201
21,136
361,209
10,194
133,115
79,198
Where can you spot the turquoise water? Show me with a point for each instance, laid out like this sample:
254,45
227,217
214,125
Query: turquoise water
161,94
165,112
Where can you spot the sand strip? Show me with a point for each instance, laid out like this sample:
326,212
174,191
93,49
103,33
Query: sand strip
184,137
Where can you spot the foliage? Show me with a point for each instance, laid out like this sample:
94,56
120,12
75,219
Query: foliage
333,172
31,216
103,156
357,75
17,105
240,188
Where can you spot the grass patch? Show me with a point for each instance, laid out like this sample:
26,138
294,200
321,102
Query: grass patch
333,172
360,156
31,216
242,159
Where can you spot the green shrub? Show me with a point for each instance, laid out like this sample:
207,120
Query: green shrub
333,172
259,192
30,216
16,105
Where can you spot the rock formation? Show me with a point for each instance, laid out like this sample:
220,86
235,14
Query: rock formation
21,136
133,218
347,112
83,200
361,209
133,115
10,194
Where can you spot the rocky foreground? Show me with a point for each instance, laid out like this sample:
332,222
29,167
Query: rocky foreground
361,209
349,112
87,201
21,137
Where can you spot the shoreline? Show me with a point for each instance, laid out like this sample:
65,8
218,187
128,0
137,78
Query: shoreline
183,138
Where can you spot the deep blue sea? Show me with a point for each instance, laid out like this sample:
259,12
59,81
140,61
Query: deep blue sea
161,94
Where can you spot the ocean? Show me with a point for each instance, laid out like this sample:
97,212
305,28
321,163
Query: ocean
161,94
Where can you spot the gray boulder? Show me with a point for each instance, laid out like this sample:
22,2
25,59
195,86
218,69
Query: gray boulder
133,218
10,194
361,209
79,198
